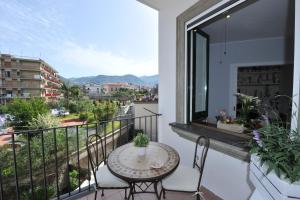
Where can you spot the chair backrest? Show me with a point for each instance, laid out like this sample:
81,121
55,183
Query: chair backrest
96,153
200,155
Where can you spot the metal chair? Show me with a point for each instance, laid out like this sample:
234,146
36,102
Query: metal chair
188,179
104,179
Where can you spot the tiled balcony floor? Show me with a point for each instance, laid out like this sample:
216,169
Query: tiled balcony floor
119,195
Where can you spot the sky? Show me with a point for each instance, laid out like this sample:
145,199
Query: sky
82,37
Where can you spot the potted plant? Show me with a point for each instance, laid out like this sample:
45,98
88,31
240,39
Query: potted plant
275,162
141,141
249,111
226,122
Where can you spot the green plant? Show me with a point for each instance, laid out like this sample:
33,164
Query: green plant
141,140
73,179
249,110
83,116
24,111
104,110
3,109
73,106
44,121
279,148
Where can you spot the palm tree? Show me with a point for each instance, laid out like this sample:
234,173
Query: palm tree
66,90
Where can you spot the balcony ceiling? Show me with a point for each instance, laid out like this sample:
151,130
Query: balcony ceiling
161,4
261,19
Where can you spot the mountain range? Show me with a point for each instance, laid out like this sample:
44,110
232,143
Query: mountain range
100,79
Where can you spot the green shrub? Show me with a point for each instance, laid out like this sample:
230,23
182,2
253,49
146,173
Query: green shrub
73,107
90,119
83,116
44,121
73,179
3,109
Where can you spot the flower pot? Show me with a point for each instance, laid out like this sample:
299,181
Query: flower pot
141,151
238,128
270,186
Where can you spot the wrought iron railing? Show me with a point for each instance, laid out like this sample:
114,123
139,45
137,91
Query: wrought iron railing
53,163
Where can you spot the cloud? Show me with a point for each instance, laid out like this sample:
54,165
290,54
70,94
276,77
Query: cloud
92,61
30,19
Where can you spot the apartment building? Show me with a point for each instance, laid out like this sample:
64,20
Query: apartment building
93,89
110,87
27,77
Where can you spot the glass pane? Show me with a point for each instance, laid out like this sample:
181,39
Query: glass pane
201,73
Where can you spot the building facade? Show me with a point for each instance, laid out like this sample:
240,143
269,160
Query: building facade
24,78
93,89
110,87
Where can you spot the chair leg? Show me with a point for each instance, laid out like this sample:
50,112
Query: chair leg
164,193
102,194
96,191
160,193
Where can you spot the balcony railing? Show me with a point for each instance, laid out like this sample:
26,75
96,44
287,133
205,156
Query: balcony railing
52,95
53,163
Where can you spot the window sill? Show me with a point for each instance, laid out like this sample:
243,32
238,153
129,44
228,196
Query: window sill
229,143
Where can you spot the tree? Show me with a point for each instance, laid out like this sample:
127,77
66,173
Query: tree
75,92
65,89
24,111
104,110
44,121
3,109
70,93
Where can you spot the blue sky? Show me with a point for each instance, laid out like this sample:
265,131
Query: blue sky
83,37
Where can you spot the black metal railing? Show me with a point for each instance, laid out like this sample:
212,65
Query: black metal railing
53,163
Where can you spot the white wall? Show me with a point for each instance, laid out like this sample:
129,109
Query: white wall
296,61
261,51
168,11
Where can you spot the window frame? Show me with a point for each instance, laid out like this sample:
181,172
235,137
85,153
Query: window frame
201,12
193,116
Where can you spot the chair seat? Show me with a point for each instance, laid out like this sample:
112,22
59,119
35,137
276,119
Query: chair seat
183,179
106,179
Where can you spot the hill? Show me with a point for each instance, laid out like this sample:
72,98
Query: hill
129,78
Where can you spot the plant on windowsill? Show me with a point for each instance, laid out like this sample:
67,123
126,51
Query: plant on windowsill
226,122
141,141
250,112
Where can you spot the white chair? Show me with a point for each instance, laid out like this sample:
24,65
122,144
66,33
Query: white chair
188,179
104,179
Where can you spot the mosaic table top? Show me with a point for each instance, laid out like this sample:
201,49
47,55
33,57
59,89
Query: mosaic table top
126,163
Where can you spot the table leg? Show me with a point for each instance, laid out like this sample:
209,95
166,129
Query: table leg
155,189
130,192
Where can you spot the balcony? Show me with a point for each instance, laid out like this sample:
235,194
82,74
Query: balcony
51,79
52,95
11,85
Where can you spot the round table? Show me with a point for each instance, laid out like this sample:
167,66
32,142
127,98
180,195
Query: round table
126,163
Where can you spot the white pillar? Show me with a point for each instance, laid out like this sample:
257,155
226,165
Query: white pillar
296,85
